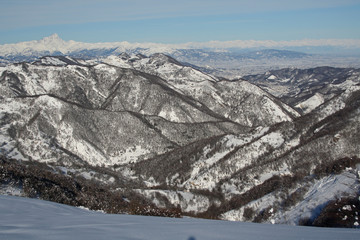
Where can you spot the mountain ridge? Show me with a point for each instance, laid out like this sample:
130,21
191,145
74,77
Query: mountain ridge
181,138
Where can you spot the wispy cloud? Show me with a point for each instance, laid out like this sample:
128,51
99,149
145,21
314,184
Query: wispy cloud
24,13
179,21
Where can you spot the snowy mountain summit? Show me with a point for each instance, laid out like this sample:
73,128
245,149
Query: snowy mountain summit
50,44
150,135
52,40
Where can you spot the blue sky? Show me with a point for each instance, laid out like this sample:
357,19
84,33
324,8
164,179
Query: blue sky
166,21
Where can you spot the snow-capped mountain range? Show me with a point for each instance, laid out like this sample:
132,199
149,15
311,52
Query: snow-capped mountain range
54,44
218,59
182,138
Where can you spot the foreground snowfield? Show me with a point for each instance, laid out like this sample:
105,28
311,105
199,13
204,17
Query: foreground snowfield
23,218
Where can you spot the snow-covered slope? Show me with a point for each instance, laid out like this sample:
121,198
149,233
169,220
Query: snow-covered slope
317,195
23,218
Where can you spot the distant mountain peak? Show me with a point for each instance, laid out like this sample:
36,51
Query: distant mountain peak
52,41
161,58
52,37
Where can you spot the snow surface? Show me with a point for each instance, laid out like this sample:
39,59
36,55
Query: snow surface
23,218
311,103
272,77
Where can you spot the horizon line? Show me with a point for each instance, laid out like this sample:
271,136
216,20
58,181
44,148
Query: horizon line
213,44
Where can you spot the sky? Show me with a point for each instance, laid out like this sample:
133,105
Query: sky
167,21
